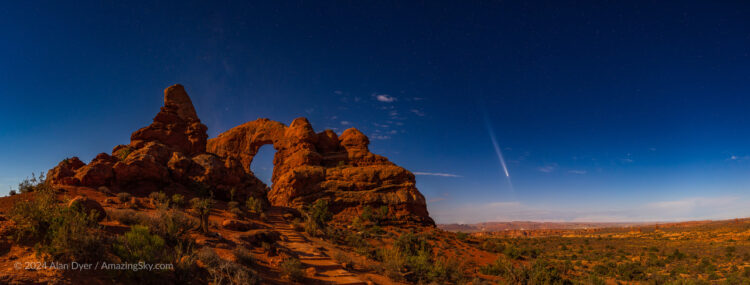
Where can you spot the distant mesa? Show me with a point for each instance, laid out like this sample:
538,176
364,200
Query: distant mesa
174,155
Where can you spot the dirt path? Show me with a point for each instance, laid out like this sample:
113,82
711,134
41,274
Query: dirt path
328,271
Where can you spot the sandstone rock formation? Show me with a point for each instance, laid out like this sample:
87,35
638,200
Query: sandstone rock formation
168,155
173,155
310,166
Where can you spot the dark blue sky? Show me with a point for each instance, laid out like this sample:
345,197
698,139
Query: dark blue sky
604,111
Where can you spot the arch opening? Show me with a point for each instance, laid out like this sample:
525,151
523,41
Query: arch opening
262,164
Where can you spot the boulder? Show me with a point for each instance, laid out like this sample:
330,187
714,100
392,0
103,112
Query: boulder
236,225
64,171
88,206
257,237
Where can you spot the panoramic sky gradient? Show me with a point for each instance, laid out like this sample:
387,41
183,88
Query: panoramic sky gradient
595,110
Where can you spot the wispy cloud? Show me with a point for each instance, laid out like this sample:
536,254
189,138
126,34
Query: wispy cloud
417,112
548,168
580,172
379,137
385,98
738,158
436,174
437,199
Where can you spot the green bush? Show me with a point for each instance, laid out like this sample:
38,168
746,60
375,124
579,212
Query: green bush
123,153
498,268
316,218
632,271
159,199
63,233
34,184
139,245
203,208
319,213
178,201
172,226
124,197
243,256
291,268
254,205
462,236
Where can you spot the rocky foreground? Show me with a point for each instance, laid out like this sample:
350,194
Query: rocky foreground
335,214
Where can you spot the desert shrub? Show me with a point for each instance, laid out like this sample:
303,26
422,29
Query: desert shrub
631,271
595,280
291,268
203,208
512,252
411,257
462,236
231,273
342,258
159,199
139,245
498,268
317,216
124,197
254,205
12,192
126,217
367,214
172,226
243,256
224,272
319,213
729,251
493,245
411,244
393,262
178,201
232,192
208,257
64,233
382,213
34,184
123,153
446,270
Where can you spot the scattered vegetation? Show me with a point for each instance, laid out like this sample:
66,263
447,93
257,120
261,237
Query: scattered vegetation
178,201
57,231
316,218
139,245
291,268
34,184
123,153
254,205
124,197
203,208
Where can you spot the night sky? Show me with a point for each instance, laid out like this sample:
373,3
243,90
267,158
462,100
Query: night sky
601,110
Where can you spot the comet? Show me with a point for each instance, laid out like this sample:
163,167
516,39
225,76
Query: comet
498,151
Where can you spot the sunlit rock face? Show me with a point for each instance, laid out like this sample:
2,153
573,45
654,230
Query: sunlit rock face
173,154
168,155
309,166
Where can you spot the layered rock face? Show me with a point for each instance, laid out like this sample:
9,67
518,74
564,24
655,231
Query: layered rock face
168,155
173,155
309,166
